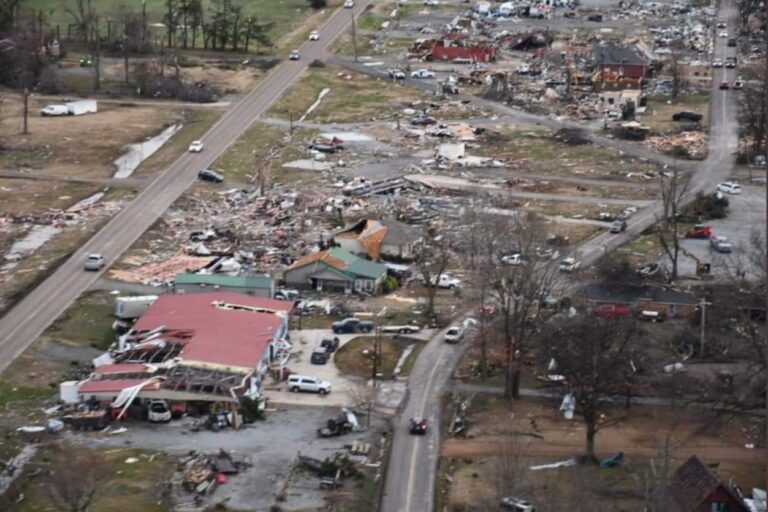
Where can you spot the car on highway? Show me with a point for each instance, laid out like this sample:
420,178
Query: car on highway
294,55
422,73
351,325
516,504
738,84
210,175
569,265
396,74
348,4
717,63
724,86
618,225
447,281
401,329
454,334
730,62
196,146
729,187
314,35
732,42
298,383
723,33
418,426
94,262
700,231
721,244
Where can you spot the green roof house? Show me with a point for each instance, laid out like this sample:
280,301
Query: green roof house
336,270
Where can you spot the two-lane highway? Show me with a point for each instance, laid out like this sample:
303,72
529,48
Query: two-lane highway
24,323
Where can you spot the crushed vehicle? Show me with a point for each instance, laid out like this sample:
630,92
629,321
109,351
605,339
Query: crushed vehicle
344,423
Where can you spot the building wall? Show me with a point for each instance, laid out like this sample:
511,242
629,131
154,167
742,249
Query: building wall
397,251
350,245
630,70
480,54
201,288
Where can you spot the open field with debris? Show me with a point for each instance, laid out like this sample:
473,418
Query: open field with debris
505,440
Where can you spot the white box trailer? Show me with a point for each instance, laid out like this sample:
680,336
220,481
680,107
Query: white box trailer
128,308
68,391
81,107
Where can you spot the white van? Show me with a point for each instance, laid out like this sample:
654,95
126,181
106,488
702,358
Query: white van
298,383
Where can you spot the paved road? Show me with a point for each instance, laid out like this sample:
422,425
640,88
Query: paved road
30,317
412,469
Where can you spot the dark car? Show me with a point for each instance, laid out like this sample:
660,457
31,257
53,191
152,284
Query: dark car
423,120
320,356
732,42
687,116
595,17
724,86
418,426
351,325
209,175
331,345
618,225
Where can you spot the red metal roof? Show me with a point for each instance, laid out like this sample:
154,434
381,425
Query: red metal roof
108,369
222,336
110,385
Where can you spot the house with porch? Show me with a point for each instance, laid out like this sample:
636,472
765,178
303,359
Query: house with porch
336,270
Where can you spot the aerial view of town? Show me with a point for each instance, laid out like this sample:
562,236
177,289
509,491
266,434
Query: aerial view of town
383,255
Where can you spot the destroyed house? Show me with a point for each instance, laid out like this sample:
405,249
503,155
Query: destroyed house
201,347
642,298
336,270
696,488
616,65
451,50
379,239
256,285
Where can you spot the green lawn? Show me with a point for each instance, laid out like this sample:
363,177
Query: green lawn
286,15
87,322
659,112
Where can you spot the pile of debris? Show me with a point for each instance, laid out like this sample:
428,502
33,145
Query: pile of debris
691,145
201,474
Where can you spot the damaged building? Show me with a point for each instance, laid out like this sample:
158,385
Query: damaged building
379,239
194,352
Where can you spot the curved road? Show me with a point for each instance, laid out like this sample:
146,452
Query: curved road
411,475
26,321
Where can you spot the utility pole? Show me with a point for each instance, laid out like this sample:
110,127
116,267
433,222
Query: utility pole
703,305
26,110
765,285
354,37
375,371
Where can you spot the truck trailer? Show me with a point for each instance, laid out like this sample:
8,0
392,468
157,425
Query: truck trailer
82,107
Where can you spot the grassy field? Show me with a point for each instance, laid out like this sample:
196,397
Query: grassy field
353,360
136,487
659,116
285,15
87,322
352,97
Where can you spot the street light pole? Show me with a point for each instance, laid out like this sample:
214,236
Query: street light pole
354,37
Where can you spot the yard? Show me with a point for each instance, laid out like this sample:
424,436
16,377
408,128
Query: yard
351,97
356,356
660,111
505,439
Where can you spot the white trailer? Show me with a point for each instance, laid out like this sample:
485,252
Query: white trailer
81,107
128,308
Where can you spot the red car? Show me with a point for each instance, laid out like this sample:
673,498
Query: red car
418,426
699,231
611,310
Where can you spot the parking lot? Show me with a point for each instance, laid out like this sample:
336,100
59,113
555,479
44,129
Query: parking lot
270,446
342,387
746,216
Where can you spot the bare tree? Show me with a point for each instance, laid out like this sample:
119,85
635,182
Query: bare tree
752,118
520,272
595,357
76,481
674,188
433,255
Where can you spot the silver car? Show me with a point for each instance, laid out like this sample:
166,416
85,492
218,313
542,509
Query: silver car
94,262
